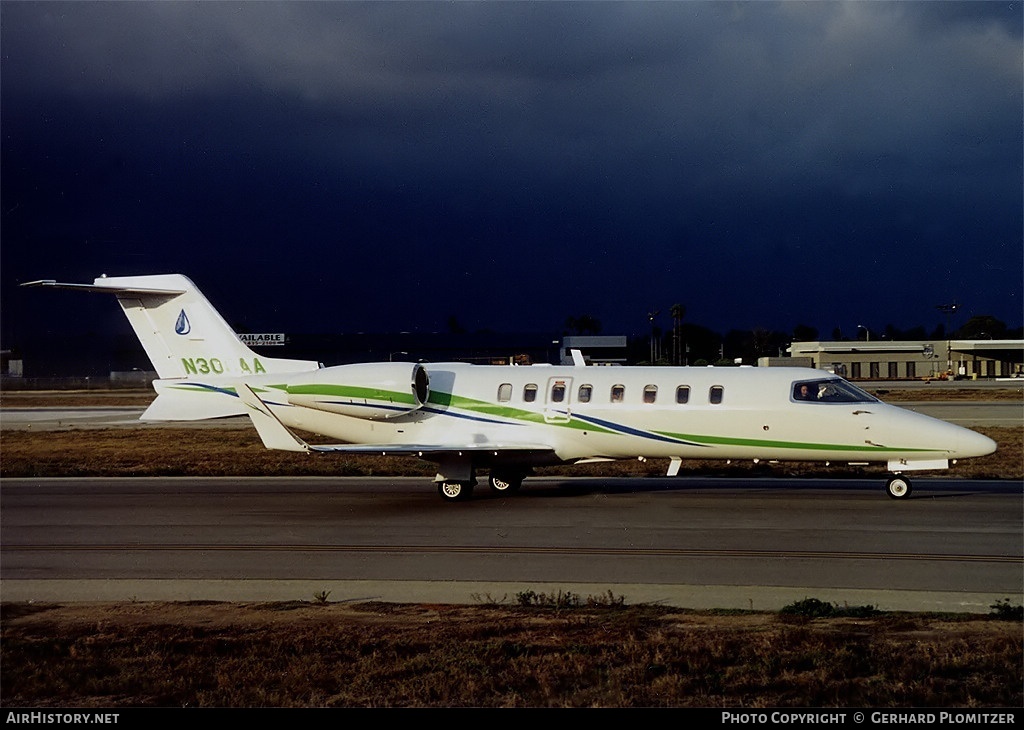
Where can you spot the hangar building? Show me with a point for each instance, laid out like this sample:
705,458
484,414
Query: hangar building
914,360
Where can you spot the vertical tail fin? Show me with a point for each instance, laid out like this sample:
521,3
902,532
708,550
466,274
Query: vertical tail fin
181,332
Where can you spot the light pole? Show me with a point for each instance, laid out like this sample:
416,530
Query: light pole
949,310
867,332
651,316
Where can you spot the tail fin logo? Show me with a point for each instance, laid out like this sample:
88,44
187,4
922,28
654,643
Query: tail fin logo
182,326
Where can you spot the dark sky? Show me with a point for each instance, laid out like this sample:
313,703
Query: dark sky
346,166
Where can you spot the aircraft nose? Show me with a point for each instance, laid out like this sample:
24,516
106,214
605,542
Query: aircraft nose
971,443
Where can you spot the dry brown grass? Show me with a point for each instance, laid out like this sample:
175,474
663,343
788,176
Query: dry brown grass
75,398
394,655
159,451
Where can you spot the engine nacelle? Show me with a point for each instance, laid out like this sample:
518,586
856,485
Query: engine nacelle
375,391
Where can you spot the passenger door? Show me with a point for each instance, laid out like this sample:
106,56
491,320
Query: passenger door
559,396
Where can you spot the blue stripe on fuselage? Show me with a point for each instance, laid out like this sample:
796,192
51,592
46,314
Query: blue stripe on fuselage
468,416
629,431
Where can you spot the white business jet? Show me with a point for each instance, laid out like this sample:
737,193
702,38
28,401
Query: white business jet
511,419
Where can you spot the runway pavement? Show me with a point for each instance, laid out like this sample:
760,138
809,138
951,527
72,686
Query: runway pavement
688,542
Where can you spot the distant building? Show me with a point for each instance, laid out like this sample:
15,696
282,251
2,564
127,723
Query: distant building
10,365
596,349
914,360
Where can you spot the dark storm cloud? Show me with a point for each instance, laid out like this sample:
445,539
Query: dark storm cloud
765,164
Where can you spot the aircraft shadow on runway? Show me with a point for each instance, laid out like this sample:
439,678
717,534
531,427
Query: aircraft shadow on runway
587,486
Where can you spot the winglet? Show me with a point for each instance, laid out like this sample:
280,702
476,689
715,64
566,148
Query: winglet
577,358
273,433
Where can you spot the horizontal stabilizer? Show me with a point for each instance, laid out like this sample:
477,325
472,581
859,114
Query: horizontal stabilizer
173,406
112,288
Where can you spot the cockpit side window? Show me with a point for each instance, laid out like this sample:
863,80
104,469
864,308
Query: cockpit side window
829,390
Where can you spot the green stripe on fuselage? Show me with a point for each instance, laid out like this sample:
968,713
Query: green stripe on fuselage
795,445
353,391
496,410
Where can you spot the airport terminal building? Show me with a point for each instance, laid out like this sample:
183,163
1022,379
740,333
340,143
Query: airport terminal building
913,360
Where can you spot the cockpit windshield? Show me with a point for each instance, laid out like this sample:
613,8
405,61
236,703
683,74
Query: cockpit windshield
830,390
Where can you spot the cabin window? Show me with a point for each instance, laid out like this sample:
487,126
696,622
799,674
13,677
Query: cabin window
683,394
650,393
585,392
530,393
715,394
618,393
558,392
505,392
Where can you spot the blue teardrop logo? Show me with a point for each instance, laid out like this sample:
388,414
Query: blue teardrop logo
182,326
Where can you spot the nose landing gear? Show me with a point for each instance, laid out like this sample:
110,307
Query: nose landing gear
898,487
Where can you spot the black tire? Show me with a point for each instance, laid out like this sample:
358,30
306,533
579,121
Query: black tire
898,487
455,491
503,483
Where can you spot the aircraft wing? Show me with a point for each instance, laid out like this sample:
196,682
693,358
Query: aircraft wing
427,450
275,435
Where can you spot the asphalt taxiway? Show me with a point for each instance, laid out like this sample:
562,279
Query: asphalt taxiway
689,542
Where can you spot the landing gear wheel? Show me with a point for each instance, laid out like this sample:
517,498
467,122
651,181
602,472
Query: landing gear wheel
898,487
505,483
455,491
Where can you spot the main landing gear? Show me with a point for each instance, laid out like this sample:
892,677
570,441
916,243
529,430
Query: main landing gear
455,491
898,487
500,482
505,482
